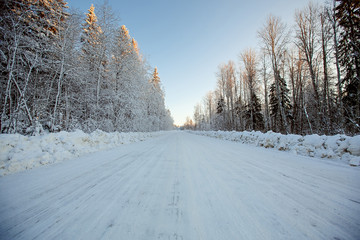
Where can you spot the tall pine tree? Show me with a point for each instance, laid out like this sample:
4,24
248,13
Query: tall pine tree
93,62
254,114
348,16
275,105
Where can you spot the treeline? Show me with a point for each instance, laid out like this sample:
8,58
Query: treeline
62,71
303,81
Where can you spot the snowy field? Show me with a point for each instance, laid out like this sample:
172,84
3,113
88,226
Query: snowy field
183,186
338,147
18,152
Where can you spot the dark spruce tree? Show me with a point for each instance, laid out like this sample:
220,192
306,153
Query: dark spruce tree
220,111
258,118
348,16
275,111
254,117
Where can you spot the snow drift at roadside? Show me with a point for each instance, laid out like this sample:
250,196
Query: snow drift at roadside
342,147
18,152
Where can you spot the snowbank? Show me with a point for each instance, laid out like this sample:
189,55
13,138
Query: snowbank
18,152
333,147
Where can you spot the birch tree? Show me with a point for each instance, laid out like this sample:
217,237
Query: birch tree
274,37
307,21
254,114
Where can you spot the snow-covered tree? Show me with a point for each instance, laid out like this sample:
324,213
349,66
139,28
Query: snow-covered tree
57,73
94,62
124,67
320,64
30,61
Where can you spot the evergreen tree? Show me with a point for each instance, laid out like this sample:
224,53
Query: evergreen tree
155,80
220,106
122,66
91,38
155,102
239,113
131,84
275,105
94,69
254,114
220,118
348,16
135,47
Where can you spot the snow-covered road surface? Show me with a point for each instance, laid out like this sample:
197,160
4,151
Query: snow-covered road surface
183,186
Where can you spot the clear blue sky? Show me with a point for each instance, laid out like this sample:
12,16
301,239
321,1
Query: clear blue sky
188,39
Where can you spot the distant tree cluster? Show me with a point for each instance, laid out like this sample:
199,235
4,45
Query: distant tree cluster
306,81
62,71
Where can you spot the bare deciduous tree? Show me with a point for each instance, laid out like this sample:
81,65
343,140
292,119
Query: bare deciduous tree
275,37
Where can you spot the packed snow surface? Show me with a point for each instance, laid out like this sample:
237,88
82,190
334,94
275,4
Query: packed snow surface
338,147
18,152
183,186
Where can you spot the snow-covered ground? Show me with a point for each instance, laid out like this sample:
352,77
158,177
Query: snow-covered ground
183,186
18,152
338,147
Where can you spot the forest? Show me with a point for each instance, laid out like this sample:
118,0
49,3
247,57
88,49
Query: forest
301,79
61,71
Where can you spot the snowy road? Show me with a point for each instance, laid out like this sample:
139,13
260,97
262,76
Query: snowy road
183,186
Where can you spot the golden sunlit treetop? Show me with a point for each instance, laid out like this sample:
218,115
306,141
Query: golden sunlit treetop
155,80
135,46
91,17
91,29
125,31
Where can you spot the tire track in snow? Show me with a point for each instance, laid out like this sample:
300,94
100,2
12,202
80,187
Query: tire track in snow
183,186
